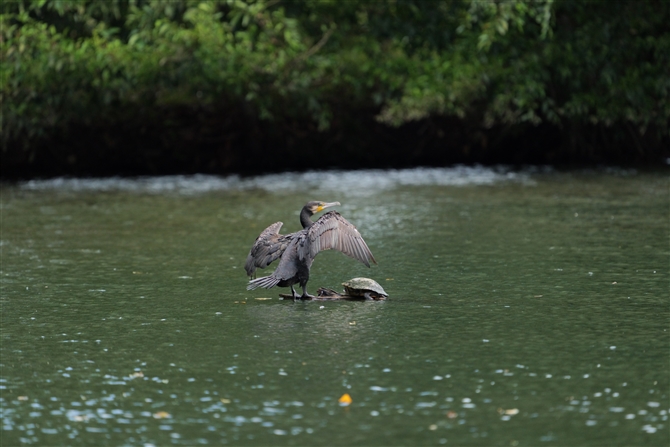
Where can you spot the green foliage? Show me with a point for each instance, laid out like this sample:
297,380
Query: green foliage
585,62
167,59
499,63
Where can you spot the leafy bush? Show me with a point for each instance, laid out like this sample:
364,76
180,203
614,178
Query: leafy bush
576,66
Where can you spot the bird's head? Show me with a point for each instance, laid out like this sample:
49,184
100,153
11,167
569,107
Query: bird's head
316,206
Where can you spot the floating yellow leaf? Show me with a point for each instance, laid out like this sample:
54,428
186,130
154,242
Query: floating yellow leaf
452,414
225,401
162,415
509,411
23,397
345,400
263,299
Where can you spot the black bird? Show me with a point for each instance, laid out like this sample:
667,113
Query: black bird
297,251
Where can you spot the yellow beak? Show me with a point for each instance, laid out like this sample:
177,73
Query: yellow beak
326,205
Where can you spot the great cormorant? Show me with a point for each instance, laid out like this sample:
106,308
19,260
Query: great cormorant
297,251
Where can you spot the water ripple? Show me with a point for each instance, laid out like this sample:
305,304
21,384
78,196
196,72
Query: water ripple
354,182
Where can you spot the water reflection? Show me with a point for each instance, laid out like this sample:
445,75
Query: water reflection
349,322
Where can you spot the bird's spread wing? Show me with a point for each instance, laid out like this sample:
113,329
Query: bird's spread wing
269,247
332,231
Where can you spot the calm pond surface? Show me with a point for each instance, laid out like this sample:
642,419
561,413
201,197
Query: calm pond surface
527,308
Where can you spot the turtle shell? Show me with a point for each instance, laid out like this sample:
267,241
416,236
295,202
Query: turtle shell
361,286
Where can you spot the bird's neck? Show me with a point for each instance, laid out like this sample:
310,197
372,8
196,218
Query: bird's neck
304,218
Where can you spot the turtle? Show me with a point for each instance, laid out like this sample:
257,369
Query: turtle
364,287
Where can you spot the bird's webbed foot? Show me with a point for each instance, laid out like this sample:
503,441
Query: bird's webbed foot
305,295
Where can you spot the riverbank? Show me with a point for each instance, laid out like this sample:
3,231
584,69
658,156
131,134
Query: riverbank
182,87
216,144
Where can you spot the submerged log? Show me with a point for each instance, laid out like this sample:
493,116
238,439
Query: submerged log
324,294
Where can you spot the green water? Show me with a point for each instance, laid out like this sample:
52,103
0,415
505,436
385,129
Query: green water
526,309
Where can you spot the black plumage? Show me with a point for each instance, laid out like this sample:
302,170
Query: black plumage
297,251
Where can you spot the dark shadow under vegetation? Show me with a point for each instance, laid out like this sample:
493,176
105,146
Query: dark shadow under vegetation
226,143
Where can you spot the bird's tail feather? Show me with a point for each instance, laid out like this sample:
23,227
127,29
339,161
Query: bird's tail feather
266,282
